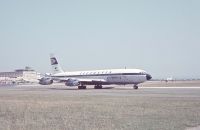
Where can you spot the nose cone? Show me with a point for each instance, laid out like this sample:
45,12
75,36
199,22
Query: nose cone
148,76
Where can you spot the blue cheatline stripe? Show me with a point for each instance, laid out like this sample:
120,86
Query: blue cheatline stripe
118,74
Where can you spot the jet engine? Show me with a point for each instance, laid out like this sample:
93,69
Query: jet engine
72,82
45,81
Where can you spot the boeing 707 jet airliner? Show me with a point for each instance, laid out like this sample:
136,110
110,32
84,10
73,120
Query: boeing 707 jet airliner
95,77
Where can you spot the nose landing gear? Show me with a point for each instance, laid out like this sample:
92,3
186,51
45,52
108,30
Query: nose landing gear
135,87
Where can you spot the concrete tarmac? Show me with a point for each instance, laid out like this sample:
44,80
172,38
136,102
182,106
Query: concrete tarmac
58,107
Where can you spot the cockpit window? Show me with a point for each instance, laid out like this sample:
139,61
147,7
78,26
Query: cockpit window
145,72
142,72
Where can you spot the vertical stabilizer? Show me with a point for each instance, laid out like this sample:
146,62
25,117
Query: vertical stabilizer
54,64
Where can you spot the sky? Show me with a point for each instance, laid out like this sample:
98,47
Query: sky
159,36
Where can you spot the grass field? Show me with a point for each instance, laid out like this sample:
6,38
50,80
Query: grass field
58,108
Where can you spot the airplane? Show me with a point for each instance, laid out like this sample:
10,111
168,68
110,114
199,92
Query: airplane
94,77
169,79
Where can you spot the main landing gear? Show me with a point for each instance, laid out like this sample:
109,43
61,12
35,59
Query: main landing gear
135,87
81,87
98,87
95,87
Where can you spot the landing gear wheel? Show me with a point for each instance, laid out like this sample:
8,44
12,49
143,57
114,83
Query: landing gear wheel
135,87
81,87
98,87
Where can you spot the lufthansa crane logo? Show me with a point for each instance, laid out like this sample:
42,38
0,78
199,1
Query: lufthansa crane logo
53,61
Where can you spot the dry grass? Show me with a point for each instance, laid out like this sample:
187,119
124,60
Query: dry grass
57,109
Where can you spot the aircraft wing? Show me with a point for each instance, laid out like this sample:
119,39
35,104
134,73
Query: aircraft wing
91,81
80,80
60,79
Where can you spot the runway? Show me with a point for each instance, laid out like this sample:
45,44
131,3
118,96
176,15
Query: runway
114,107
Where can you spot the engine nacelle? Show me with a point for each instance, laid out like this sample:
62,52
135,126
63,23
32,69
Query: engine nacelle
72,82
45,81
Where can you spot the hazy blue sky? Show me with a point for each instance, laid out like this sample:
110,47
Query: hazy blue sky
159,36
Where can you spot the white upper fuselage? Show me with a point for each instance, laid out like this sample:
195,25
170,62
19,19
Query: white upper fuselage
109,76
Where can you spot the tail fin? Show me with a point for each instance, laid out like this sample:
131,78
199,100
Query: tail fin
54,64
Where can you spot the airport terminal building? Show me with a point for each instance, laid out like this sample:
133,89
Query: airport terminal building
26,75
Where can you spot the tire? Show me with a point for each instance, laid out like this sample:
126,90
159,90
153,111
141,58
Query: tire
135,87
98,87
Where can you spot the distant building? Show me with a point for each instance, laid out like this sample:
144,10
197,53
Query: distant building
26,75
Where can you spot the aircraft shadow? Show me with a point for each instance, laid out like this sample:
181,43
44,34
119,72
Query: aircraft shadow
80,89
